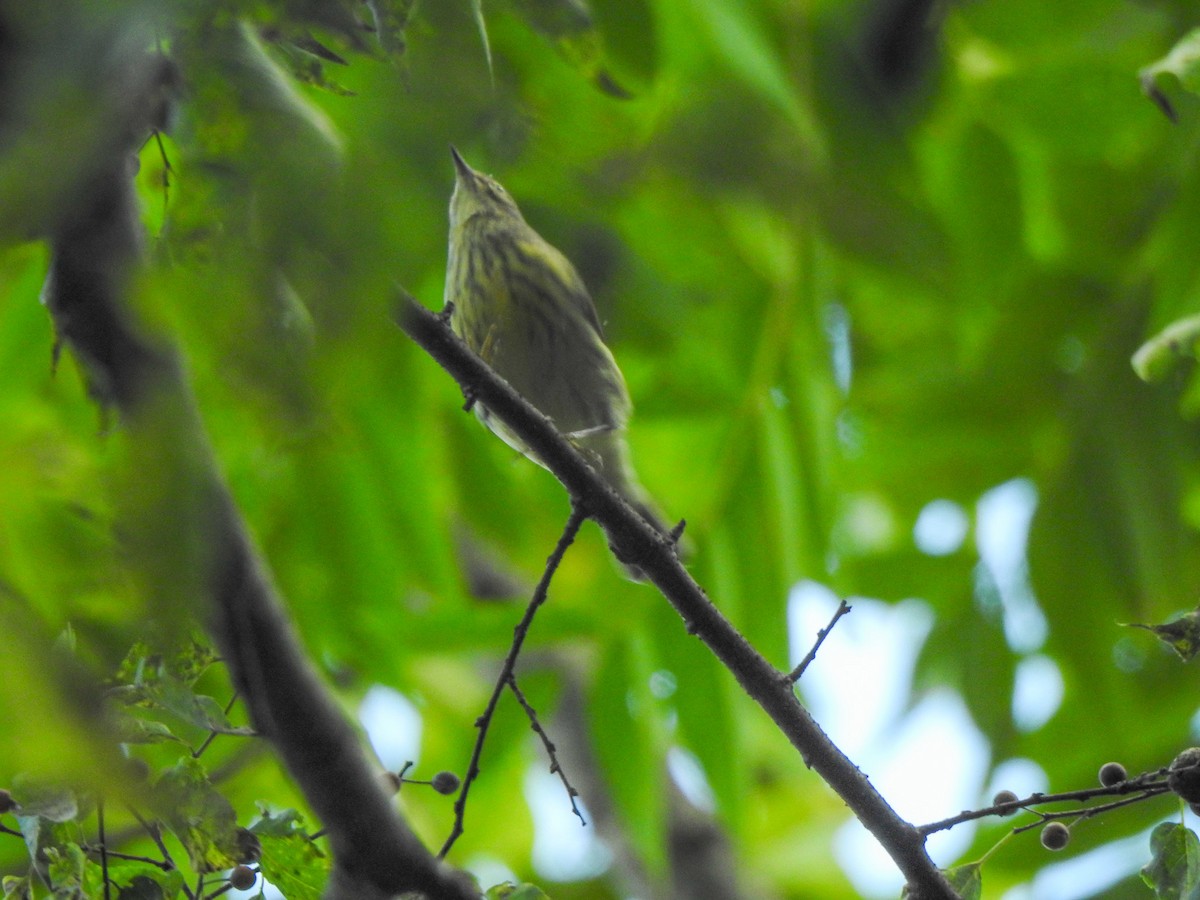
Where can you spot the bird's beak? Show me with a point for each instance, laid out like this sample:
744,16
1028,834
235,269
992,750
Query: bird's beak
465,172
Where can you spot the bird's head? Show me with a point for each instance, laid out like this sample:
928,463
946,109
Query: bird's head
476,193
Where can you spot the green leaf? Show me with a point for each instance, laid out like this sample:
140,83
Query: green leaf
38,799
631,40
159,683
16,888
1161,355
142,887
569,25
481,24
390,18
967,880
43,809
295,865
195,709
252,106
510,891
198,815
282,824
1182,64
1174,871
305,60
141,731
744,44
70,873
290,860
143,881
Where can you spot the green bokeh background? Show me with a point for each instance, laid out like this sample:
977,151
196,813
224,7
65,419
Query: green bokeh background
1001,224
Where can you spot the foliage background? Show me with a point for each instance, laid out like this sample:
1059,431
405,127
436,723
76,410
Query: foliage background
988,208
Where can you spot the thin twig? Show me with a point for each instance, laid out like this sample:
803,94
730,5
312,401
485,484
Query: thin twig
793,676
156,136
574,522
1146,785
103,847
155,833
223,889
1080,814
555,767
131,857
212,733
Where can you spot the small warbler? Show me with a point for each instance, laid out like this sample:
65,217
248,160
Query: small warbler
522,307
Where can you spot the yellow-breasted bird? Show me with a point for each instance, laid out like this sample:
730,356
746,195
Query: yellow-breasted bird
522,307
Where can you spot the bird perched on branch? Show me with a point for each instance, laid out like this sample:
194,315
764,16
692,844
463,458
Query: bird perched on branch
522,307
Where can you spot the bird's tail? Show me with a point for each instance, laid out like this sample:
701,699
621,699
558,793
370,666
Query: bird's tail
610,456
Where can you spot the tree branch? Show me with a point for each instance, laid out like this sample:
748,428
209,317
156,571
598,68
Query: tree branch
556,767
1151,784
797,673
505,678
636,542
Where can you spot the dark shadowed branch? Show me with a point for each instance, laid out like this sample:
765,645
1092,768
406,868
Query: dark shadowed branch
95,249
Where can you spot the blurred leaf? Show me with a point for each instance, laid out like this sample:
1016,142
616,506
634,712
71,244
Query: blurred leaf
967,880
139,731
631,41
198,815
142,887
1182,65
17,887
830,312
296,867
1174,872
290,859
44,801
391,18
1160,355
509,891
70,874
743,44
569,26
481,24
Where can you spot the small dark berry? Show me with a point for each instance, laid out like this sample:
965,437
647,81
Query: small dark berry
1055,836
242,878
1005,797
445,783
249,846
1184,776
1112,773
7,803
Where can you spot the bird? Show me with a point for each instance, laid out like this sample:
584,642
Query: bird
522,307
